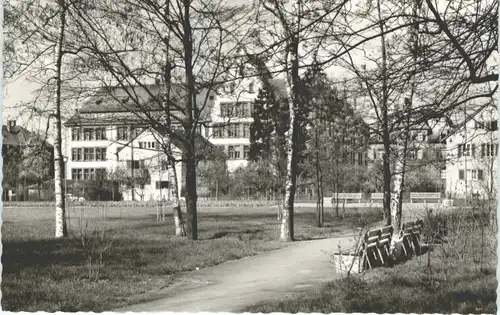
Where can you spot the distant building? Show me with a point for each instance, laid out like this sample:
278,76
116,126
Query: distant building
106,135
16,177
472,150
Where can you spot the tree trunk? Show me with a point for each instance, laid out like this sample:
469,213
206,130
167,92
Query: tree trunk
190,125
319,179
61,228
287,231
385,125
191,197
176,206
396,201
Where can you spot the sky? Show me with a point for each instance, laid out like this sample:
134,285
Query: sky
21,90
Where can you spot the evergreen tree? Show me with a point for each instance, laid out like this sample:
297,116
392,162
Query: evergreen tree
263,124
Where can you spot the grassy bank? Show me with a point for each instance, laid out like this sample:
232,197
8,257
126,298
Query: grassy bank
446,288
458,276
44,274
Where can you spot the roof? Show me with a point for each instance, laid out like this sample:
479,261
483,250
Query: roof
19,136
131,99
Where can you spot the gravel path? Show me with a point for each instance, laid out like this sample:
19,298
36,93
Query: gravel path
232,286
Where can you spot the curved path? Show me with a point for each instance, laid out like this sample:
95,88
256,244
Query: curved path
235,285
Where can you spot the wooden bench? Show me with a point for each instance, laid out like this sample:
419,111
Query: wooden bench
411,233
384,241
370,248
425,196
374,243
377,197
344,197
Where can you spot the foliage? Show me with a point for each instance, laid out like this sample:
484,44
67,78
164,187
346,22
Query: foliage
213,175
336,136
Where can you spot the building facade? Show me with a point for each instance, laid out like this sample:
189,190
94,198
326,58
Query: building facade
106,136
472,150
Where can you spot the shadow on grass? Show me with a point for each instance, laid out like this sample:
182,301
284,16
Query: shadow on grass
17,255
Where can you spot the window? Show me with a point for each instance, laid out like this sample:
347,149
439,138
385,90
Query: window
461,174
100,154
122,133
465,150
491,125
251,87
86,173
135,164
100,133
76,174
237,130
245,109
76,154
162,184
88,154
246,130
76,134
474,174
88,134
237,152
360,158
232,131
374,154
246,152
238,110
230,152
136,132
141,145
488,149
480,175
218,131
223,109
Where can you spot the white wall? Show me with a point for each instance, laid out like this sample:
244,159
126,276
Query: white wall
152,158
458,188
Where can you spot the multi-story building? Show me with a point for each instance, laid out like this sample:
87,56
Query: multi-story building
472,149
106,135
231,118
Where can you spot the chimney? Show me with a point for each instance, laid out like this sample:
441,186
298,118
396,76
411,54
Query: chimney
10,125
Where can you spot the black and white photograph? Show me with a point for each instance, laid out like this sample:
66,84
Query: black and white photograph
250,156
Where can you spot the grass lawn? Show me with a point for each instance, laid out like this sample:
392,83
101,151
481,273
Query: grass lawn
453,284
41,273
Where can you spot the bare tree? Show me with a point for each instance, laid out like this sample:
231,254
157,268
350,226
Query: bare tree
132,55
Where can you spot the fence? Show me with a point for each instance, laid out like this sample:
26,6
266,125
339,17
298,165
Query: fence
200,203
